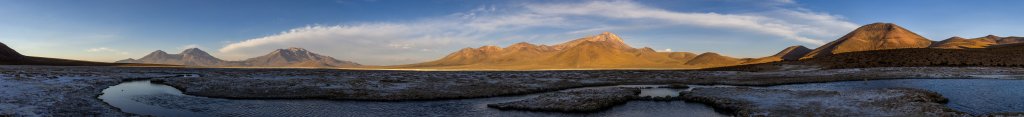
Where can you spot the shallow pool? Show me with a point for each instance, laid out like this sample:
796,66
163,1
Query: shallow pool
974,96
143,97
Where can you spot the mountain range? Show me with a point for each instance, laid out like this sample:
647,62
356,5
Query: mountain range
608,51
9,56
870,45
291,57
980,42
605,50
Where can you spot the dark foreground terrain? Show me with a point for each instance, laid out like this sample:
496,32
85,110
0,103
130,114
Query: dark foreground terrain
744,101
73,91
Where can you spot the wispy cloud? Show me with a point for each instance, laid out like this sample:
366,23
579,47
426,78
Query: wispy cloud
105,49
786,23
190,46
388,43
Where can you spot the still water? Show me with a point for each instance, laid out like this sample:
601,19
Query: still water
974,96
143,97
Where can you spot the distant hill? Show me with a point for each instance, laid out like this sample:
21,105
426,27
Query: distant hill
791,53
605,50
9,56
988,51
1008,55
713,59
297,57
189,57
876,36
980,42
292,57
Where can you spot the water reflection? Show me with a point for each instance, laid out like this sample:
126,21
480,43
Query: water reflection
141,97
974,96
121,96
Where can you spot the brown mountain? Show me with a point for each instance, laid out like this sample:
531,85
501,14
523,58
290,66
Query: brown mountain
297,57
682,56
980,42
605,50
606,37
1010,40
292,57
1008,55
791,53
876,36
961,43
189,57
711,59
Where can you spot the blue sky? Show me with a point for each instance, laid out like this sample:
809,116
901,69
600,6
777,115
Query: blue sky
387,32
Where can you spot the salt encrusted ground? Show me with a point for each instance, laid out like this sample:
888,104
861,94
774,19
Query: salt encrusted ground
72,91
892,102
63,91
586,100
420,85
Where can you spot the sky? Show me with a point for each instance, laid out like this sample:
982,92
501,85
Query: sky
391,32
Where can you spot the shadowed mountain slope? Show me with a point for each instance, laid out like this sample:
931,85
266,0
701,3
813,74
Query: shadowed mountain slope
6,53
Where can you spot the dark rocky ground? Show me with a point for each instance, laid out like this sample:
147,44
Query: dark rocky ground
56,91
586,100
746,101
